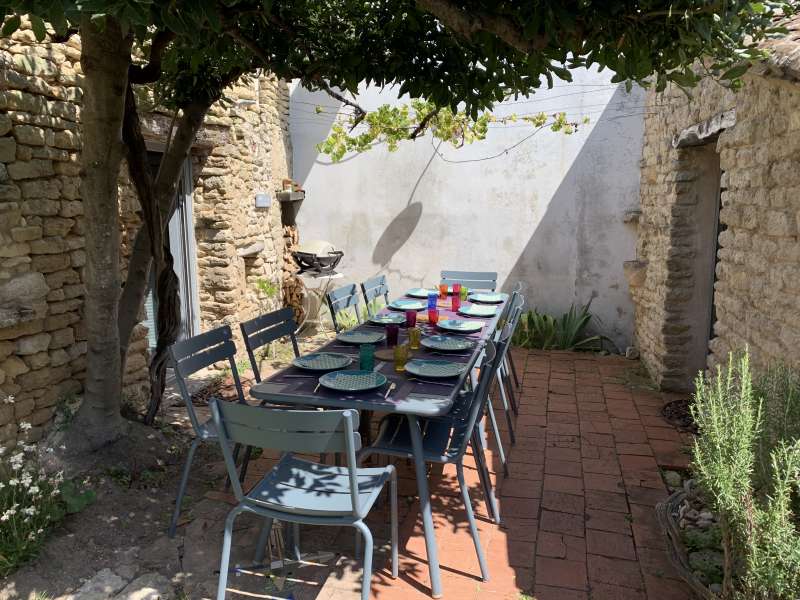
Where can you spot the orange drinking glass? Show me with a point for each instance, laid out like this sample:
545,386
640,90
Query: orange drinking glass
442,291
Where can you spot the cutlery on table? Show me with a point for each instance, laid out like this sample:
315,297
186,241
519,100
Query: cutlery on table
392,386
298,376
316,389
415,380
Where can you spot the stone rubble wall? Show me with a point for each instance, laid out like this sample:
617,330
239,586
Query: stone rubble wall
758,274
293,288
242,149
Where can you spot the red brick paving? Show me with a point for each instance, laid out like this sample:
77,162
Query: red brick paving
578,504
577,508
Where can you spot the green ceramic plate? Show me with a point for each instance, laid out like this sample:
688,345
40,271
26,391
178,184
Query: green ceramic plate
477,310
322,361
446,343
355,336
407,305
388,319
420,293
486,298
434,368
352,381
460,325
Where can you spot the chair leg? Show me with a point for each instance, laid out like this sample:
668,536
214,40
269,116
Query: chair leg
182,487
263,540
485,478
511,393
236,449
473,526
245,463
365,587
513,366
507,410
393,510
507,390
496,433
226,554
296,541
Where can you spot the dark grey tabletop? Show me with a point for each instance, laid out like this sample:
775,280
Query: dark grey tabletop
411,396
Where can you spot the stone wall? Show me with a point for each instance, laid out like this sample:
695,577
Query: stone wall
758,270
242,149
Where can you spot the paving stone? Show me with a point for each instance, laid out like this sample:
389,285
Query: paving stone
614,571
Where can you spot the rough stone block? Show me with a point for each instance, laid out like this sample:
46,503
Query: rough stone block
71,208
33,344
61,338
8,149
41,188
38,360
41,207
30,135
31,169
26,233
48,263
14,366
49,245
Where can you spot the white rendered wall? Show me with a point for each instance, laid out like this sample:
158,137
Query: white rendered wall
547,213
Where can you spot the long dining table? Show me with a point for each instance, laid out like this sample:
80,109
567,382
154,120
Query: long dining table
412,397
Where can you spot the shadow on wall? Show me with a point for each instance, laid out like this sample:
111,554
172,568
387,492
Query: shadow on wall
577,243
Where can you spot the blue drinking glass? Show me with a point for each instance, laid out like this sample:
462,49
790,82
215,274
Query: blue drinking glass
433,298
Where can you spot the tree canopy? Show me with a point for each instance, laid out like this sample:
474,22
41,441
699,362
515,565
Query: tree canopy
454,58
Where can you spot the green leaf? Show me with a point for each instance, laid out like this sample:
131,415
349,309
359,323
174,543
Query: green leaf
10,26
735,72
39,30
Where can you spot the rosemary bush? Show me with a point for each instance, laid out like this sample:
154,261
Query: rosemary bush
760,533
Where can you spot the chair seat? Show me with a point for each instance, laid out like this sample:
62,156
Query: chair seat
307,488
441,438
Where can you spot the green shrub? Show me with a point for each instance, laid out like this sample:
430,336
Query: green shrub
568,332
759,530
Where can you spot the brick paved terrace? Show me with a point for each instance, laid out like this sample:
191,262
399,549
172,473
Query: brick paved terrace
577,508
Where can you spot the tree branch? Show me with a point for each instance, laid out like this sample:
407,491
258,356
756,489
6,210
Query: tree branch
469,23
151,72
316,79
420,128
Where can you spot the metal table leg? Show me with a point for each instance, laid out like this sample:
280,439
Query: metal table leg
425,506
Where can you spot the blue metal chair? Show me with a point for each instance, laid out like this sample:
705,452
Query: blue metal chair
267,328
474,280
372,289
445,441
188,357
299,491
510,317
341,299
510,360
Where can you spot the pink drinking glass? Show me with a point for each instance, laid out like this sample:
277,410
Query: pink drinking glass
411,318
392,333
433,316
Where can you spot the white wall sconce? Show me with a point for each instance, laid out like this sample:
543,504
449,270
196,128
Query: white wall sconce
263,200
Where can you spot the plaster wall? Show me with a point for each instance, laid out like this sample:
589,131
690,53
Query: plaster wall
544,209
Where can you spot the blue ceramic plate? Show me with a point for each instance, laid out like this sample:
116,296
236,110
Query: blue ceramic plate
354,336
486,298
407,305
424,367
477,310
322,361
460,325
446,343
352,381
420,293
388,319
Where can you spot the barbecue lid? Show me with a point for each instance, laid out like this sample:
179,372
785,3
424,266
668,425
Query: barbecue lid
316,247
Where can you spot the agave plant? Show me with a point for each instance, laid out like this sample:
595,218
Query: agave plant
545,332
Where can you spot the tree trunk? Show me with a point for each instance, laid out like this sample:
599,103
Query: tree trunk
105,58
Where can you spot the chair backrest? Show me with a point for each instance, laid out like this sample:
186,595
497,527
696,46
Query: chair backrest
474,280
201,351
373,288
477,402
267,328
343,298
303,431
